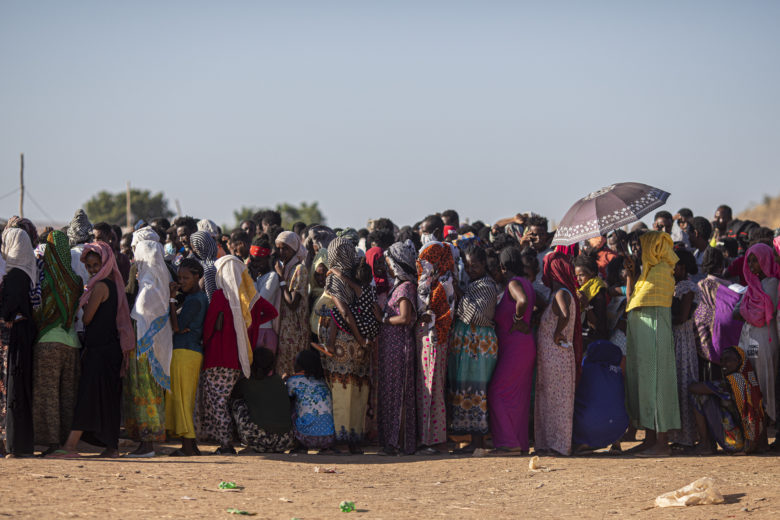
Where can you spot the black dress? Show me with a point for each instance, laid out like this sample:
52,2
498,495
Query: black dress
15,307
100,387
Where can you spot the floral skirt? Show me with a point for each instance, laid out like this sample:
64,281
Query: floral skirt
143,402
472,358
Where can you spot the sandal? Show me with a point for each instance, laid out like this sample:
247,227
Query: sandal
63,454
466,450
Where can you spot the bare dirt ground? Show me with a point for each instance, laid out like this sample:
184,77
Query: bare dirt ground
286,486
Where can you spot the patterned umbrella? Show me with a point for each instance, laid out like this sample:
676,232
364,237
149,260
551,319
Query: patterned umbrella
607,209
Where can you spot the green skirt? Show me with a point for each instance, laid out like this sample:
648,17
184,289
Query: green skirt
651,371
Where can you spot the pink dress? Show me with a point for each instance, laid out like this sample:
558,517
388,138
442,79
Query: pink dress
509,393
555,384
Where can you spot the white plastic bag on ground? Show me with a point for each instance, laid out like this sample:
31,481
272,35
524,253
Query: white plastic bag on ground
699,492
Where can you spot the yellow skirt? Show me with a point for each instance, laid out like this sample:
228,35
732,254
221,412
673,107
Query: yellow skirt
180,399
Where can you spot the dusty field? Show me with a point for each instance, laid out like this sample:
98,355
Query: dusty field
285,487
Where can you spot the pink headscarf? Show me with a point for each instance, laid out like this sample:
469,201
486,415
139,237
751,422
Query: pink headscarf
109,269
756,306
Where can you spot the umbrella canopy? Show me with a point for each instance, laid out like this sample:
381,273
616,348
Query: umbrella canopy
606,210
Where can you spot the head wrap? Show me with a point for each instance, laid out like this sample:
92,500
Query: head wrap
435,291
80,228
341,256
350,234
204,247
259,251
110,270
655,287
294,242
25,224
61,287
234,280
144,233
320,258
757,307
558,268
402,258
449,229
372,255
209,226
151,310
747,397
18,253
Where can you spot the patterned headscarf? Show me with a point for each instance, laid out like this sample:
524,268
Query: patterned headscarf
204,247
757,307
110,270
341,256
747,396
372,255
61,288
350,234
18,253
151,310
402,257
80,228
558,268
239,289
294,242
435,296
25,224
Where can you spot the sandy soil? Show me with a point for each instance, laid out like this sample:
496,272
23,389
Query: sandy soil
287,486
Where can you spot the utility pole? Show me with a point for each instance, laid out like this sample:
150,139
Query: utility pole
21,187
178,208
129,218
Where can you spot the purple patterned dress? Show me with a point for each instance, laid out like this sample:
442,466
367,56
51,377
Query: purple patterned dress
397,419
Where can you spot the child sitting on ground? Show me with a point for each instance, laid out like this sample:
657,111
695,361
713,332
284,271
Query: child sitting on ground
312,404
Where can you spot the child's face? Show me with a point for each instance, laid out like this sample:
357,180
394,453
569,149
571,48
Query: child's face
188,281
320,273
93,263
730,362
582,275
239,248
679,272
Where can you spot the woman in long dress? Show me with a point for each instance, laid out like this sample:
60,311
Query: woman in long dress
509,393
397,419
16,320
348,370
651,373
147,376
435,310
556,359
473,353
294,311
758,308
108,336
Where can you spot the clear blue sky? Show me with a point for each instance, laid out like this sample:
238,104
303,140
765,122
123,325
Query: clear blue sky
389,109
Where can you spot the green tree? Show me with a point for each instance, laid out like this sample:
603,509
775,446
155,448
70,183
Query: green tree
111,207
309,213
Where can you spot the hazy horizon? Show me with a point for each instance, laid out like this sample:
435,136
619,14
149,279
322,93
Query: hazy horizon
396,110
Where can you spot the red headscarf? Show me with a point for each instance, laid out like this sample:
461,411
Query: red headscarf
757,307
382,284
558,268
110,270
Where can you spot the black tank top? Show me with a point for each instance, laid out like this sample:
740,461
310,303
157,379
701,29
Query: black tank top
101,331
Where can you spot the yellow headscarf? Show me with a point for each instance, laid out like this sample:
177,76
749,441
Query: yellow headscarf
655,287
592,287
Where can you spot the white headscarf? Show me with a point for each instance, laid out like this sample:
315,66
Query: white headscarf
209,226
234,280
145,233
294,242
151,310
18,253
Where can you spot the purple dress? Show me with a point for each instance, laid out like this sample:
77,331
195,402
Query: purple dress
396,386
509,392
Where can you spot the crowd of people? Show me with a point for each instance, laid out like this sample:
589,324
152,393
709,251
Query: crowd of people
417,339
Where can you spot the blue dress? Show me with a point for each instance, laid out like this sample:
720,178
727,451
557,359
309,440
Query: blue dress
600,417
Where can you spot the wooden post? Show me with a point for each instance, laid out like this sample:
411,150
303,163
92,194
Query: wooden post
129,217
21,187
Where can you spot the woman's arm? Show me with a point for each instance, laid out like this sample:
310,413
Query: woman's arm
597,316
406,315
631,275
700,389
517,293
98,296
684,309
561,310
